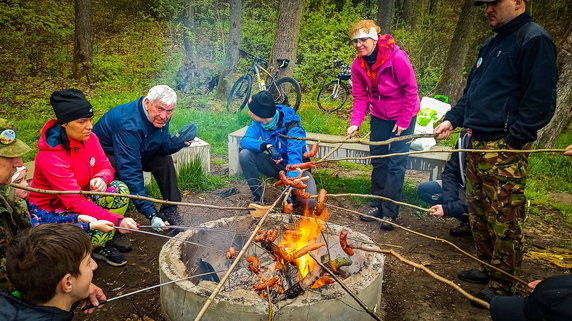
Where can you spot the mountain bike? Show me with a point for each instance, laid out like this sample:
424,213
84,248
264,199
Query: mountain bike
334,94
285,91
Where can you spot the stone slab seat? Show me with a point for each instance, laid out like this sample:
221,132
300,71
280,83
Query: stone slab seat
434,163
198,149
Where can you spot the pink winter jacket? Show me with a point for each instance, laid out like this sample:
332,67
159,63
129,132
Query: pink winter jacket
56,170
396,97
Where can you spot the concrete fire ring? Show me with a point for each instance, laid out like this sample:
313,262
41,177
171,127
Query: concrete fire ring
184,299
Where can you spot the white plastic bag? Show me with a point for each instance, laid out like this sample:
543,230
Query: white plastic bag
431,110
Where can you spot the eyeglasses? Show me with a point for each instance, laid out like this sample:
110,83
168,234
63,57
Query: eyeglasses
360,40
7,136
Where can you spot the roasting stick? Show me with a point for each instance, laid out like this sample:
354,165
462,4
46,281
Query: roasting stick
340,145
353,295
381,198
168,237
90,306
238,257
360,140
426,270
545,150
516,278
136,197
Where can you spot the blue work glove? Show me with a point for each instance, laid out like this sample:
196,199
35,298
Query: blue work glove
274,154
185,134
158,221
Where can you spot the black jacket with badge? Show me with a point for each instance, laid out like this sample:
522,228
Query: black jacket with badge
511,90
14,309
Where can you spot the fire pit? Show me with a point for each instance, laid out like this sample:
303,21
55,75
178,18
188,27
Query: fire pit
298,296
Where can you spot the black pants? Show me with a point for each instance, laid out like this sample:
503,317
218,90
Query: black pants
163,170
255,163
388,173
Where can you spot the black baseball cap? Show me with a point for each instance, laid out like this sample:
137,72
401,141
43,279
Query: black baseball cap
481,2
551,300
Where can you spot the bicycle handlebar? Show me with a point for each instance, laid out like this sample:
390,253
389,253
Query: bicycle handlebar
256,58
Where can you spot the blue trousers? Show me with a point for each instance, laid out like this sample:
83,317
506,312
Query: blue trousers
388,173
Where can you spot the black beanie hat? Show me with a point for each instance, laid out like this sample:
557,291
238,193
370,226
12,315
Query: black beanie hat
262,104
69,105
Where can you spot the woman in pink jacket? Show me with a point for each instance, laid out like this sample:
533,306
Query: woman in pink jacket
70,158
383,81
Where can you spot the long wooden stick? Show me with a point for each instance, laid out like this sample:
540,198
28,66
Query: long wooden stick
514,277
137,197
427,270
379,197
547,150
353,295
360,141
340,145
238,258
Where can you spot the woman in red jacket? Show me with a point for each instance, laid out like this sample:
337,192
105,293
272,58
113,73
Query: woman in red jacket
383,81
70,158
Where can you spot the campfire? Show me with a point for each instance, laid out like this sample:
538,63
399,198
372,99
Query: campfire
278,269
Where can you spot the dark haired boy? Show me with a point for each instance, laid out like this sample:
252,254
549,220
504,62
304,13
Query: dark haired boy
51,267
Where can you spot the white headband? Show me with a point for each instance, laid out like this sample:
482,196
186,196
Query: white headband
19,171
362,34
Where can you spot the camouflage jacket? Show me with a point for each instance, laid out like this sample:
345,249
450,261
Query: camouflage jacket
13,217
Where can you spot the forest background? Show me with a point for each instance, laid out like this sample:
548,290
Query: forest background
114,50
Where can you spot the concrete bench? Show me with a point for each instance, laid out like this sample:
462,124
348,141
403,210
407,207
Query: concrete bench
198,149
434,163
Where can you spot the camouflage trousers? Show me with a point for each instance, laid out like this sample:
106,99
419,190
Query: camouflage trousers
495,196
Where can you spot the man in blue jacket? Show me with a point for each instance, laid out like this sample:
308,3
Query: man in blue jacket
265,151
509,96
447,196
136,138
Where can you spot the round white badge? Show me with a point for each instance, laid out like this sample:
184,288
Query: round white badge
92,162
479,62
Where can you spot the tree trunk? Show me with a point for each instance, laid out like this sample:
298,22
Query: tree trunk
226,78
187,74
290,15
83,46
547,136
451,81
433,7
385,15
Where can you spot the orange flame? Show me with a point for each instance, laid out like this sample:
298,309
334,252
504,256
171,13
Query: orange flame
307,232
324,280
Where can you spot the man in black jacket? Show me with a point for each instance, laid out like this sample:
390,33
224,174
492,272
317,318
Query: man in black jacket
510,95
448,194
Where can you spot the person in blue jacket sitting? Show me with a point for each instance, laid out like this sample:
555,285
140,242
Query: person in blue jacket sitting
264,151
136,138
447,196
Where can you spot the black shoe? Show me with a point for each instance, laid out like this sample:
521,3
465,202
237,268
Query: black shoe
474,276
464,229
172,215
386,226
373,211
121,242
110,255
486,295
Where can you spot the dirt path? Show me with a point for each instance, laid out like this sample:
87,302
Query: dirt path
408,294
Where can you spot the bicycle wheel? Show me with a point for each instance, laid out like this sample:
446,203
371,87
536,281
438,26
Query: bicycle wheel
286,91
239,94
333,96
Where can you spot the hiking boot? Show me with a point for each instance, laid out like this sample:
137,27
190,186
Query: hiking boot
386,226
474,276
121,242
464,229
486,295
110,255
373,211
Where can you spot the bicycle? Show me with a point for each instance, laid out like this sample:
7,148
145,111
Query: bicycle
334,94
285,91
